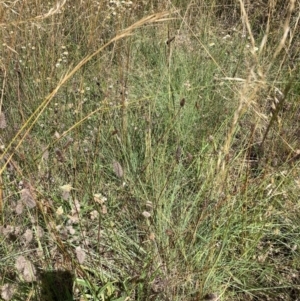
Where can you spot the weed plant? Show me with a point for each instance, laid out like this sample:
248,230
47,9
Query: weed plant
149,150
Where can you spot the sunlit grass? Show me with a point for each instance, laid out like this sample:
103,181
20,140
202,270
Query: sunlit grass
139,166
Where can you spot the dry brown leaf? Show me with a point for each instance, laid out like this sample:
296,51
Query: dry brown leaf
39,232
152,236
71,230
27,198
7,291
189,157
6,230
65,195
20,263
26,268
28,236
19,208
73,219
3,124
118,170
80,254
56,135
29,272
45,155
17,230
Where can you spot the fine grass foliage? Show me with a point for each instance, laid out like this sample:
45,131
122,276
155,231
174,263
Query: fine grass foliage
149,150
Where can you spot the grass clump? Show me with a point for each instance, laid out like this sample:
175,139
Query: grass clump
149,151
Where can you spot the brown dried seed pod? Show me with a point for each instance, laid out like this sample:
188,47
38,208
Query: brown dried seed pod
118,170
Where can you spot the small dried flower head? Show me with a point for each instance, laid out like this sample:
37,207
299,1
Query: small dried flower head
66,188
94,214
146,214
99,198
60,211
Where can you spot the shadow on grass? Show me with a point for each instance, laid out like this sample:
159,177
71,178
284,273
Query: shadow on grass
56,286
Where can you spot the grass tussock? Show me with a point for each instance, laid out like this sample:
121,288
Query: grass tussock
149,150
